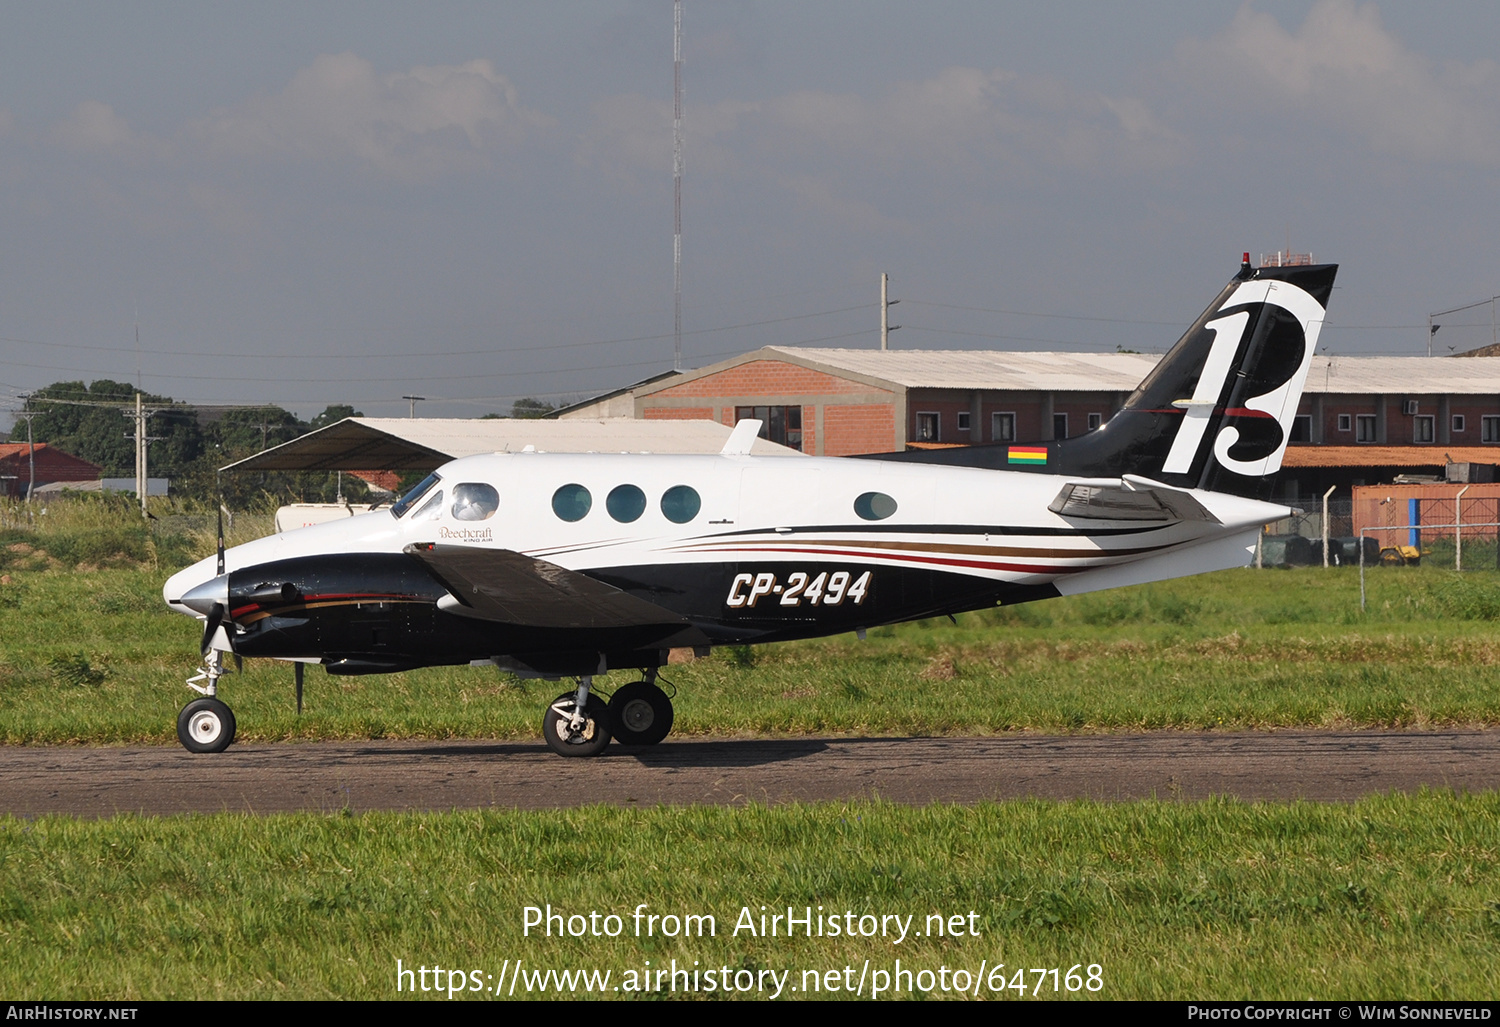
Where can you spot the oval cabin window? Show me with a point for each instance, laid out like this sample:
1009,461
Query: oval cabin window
474,501
572,502
874,506
625,503
680,504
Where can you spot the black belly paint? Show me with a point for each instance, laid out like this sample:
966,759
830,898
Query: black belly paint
377,612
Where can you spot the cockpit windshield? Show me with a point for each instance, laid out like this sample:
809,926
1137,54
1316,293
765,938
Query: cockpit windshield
406,502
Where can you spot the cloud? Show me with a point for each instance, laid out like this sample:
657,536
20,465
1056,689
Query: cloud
409,125
94,127
823,146
1344,73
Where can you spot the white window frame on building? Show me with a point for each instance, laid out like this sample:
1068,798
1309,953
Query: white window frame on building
929,426
1095,420
1458,423
1424,429
1489,429
1346,422
1003,427
963,420
1367,429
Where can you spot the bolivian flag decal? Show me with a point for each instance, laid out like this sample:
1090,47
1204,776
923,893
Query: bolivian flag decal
1028,454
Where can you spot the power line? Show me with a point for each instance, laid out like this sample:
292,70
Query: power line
425,354
1028,313
1009,338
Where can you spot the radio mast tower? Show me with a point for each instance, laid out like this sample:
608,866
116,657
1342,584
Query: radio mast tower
677,185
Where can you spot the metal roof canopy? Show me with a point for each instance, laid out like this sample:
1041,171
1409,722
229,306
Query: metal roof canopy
1053,371
423,443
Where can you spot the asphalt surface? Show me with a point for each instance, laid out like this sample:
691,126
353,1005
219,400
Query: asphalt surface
428,775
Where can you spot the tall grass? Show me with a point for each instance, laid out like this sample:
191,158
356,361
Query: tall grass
86,531
1240,650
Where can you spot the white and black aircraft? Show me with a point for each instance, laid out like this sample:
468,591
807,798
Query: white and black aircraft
566,565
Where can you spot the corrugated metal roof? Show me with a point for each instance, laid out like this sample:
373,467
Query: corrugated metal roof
987,369
1404,375
1122,372
422,443
1388,456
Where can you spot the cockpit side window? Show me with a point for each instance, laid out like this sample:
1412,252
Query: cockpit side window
474,501
430,510
407,501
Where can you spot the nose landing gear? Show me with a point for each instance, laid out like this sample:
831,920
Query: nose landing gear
206,724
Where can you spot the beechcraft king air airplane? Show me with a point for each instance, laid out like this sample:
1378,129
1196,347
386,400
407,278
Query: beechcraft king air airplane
567,565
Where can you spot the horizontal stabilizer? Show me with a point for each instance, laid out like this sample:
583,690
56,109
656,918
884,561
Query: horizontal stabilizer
1135,500
510,588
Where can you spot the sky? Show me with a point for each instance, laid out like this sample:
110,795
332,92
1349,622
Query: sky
311,203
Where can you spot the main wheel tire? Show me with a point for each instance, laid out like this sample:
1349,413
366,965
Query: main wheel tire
640,714
590,740
205,725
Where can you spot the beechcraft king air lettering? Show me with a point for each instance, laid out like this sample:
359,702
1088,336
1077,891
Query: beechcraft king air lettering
567,565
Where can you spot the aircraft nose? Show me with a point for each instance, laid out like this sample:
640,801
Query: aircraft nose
201,598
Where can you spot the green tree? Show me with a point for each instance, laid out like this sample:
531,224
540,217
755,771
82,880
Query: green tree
531,409
87,421
332,414
245,431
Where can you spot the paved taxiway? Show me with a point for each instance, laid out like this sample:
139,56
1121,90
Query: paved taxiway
466,774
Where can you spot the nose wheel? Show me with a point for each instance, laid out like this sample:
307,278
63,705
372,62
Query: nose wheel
205,725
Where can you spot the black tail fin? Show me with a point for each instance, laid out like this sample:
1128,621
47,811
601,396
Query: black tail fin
1216,412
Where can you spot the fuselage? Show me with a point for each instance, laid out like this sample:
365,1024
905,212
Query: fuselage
740,549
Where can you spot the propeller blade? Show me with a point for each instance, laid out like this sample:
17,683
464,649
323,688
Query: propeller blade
297,672
239,664
211,625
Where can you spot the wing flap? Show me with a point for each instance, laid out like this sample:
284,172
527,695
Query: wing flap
510,588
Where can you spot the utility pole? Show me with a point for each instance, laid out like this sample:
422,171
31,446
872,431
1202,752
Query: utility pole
140,415
30,447
265,430
677,185
886,328
414,400
1432,327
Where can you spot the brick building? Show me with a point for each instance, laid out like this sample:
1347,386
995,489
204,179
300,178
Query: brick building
52,465
840,402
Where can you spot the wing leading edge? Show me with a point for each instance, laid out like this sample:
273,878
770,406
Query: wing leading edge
510,588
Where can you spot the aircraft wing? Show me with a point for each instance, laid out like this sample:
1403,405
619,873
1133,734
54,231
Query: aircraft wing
510,588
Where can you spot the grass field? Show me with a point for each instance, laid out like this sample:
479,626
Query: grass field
94,656
1391,897
1388,897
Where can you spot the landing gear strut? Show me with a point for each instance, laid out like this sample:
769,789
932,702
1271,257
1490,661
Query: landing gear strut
577,723
206,724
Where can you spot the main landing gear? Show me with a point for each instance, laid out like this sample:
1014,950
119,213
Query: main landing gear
579,723
206,724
